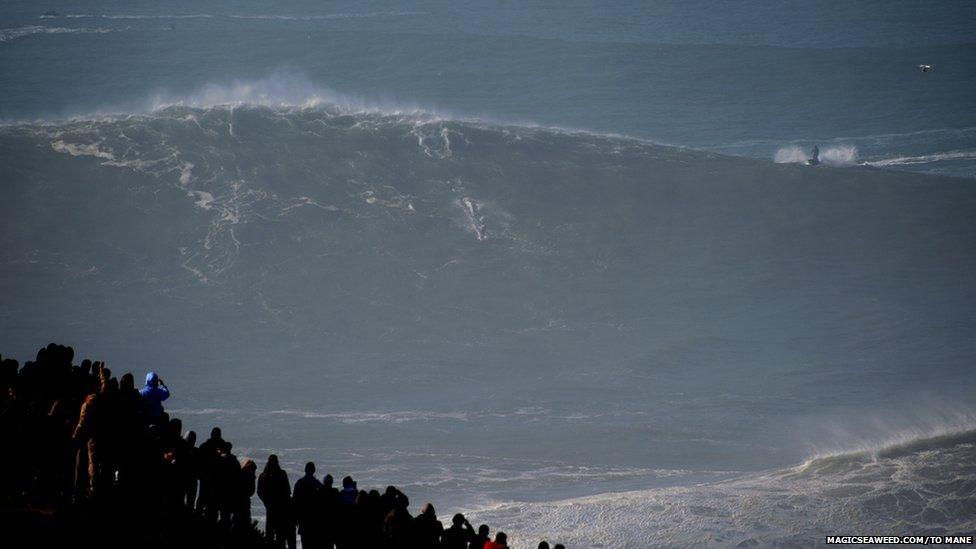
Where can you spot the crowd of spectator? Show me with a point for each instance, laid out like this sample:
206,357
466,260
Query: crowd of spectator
105,462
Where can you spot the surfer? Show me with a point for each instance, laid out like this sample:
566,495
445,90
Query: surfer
814,156
925,68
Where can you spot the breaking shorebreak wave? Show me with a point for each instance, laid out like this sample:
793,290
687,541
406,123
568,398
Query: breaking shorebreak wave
925,486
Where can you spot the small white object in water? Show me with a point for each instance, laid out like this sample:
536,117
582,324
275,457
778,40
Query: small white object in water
925,68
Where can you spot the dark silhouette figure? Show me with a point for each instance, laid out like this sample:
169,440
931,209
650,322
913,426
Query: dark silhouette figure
91,439
543,545
501,541
328,511
155,392
305,502
459,535
814,156
481,538
427,529
397,528
192,471
275,492
245,489
349,491
226,483
208,458
559,546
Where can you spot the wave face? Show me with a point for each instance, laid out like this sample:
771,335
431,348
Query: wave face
486,310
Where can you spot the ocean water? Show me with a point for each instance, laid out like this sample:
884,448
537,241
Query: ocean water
559,267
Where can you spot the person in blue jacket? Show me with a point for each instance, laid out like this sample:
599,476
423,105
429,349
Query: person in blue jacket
155,392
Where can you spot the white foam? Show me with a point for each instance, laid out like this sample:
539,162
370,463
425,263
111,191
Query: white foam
186,173
924,490
82,149
136,16
7,35
476,221
381,417
840,155
328,16
281,89
835,155
922,159
203,200
202,411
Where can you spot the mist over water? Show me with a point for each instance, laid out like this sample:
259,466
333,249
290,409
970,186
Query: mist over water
456,260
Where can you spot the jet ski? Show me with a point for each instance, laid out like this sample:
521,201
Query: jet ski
814,157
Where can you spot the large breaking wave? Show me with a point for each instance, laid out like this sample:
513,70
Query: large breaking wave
471,269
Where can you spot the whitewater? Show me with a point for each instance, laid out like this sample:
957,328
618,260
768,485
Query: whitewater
563,270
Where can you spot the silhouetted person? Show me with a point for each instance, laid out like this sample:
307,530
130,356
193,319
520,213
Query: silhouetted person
481,538
90,437
372,516
207,458
210,446
176,466
329,511
245,489
349,491
501,542
459,535
396,528
393,498
543,545
53,464
814,156
226,480
427,529
275,492
305,502
131,416
193,471
155,392
559,546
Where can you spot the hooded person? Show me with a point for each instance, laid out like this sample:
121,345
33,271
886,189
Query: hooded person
155,392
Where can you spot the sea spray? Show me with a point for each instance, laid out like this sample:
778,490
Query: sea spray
833,155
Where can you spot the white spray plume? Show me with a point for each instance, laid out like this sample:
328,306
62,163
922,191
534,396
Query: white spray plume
838,156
